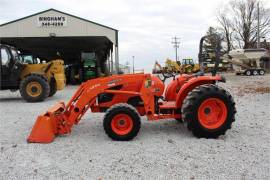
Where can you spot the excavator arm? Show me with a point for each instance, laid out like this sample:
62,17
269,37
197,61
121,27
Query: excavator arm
157,68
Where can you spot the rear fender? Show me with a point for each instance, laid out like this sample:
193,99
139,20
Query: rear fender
174,86
193,83
33,69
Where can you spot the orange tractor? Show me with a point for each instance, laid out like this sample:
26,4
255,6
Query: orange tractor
196,99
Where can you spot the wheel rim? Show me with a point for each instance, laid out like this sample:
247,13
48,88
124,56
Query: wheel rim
212,113
33,89
248,73
122,124
261,72
255,72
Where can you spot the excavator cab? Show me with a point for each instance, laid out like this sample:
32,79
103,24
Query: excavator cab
187,62
11,67
29,59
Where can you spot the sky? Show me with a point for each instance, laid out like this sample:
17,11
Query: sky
146,27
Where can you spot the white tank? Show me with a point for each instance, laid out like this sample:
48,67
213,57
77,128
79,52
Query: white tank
243,59
248,53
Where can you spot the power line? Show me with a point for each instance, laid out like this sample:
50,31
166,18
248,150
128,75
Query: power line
176,42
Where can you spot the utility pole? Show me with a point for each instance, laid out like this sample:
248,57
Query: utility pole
258,26
133,68
176,43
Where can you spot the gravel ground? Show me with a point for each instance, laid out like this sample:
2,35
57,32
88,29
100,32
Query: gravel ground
162,150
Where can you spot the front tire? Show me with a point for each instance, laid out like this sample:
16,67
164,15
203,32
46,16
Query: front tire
122,122
34,88
209,111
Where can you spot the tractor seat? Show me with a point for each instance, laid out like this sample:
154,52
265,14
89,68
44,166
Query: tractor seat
167,105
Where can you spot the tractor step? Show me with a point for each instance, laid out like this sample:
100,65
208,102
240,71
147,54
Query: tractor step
167,105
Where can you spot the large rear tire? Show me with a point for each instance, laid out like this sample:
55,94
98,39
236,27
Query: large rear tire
209,111
122,122
34,88
53,87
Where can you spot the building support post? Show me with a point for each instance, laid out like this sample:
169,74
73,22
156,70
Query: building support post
116,60
116,53
111,61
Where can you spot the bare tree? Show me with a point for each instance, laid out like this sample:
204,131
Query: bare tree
226,30
238,23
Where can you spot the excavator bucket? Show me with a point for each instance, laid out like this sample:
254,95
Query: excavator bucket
46,126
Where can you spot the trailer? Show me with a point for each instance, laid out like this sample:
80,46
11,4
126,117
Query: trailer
248,61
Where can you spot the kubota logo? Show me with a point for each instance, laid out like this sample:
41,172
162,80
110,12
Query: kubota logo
94,86
113,82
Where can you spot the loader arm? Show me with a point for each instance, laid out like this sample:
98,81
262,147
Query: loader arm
85,97
60,118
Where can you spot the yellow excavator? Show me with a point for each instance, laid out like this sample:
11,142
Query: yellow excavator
172,66
186,67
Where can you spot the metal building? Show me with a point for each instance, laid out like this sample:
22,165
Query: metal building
52,32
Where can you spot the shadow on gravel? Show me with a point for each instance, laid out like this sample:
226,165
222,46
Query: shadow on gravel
169,128
8,99
149,130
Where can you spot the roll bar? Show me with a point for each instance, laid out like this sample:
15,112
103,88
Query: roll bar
217,52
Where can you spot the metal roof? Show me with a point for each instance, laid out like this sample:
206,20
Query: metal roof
58,12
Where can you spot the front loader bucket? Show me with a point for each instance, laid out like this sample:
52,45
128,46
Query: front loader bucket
42,131
46,126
